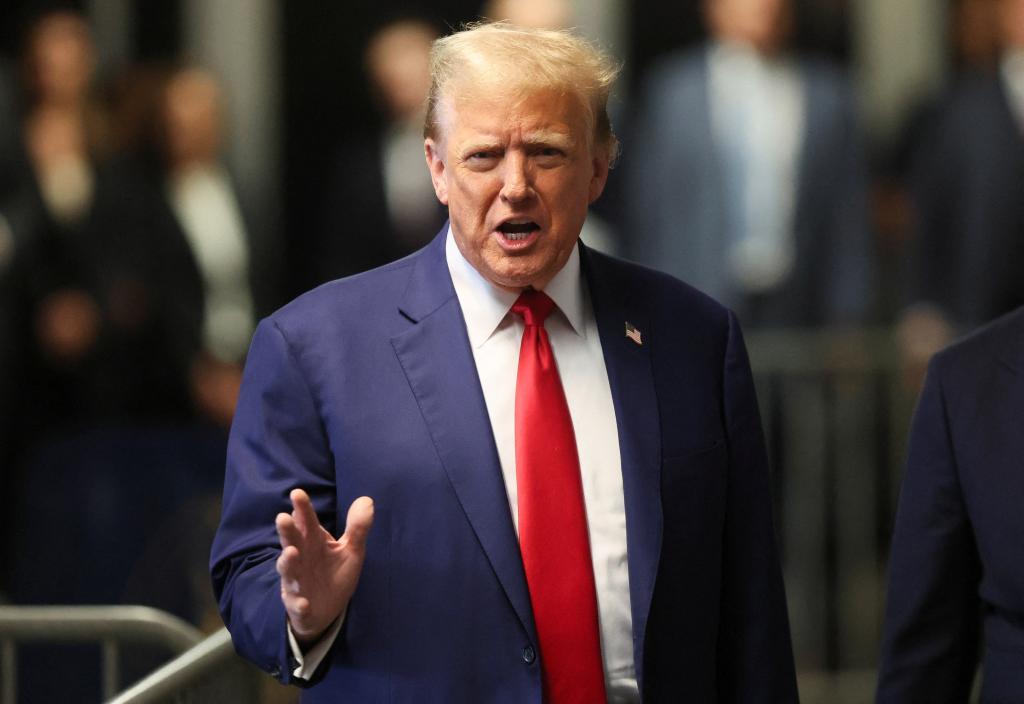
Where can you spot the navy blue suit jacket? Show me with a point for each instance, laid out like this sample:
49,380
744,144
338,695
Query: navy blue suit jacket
957,564
367,385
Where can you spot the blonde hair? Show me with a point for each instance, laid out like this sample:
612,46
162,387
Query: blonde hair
499,56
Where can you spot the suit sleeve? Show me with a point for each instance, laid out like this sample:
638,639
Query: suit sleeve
930,641
755,654
277,443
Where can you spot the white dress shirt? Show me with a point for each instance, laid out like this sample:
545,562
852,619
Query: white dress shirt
1011,72
495,335
204,203
757,110
408,190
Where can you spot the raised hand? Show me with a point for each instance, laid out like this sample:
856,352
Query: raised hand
318,573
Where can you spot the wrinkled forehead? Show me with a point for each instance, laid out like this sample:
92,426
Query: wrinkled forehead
464,94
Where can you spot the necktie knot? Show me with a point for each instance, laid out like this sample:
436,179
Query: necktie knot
533,306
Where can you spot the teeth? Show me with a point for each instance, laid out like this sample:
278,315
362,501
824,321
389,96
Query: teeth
517,229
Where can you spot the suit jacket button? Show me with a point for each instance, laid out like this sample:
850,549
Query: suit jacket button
275,671
529,655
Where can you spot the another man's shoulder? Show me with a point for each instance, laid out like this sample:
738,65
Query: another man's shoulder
998,343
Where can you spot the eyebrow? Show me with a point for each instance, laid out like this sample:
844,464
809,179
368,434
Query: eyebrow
561,139
532,139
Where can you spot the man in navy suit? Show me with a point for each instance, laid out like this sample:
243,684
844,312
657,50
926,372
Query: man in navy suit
401,384
956,575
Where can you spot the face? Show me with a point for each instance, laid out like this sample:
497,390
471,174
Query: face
398,61
517,177
192,118
1011,20
61,58
763,24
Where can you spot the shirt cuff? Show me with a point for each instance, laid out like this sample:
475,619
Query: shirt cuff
309,661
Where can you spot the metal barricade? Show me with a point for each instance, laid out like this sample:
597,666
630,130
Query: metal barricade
110,627
208,673
836,408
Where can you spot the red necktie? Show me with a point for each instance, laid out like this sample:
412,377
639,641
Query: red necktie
552,520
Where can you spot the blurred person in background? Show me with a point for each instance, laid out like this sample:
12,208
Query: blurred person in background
377,182
145,312
553,14
745,174
975,34
541,14
966,254
223,261
974,47
64,127
170,260
51,314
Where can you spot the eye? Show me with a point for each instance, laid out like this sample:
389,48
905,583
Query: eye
481,159
548,155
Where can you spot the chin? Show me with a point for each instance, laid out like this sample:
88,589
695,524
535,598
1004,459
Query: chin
514,278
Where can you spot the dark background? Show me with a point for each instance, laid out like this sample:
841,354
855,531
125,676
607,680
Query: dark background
324,91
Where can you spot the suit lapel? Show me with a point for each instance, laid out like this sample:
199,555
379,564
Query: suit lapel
438,362
630,376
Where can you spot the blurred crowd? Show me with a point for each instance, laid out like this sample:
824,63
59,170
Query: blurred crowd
132,271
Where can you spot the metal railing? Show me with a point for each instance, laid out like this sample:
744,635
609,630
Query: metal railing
836,407
189,669
110,627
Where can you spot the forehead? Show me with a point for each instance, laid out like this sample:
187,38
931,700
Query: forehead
502,110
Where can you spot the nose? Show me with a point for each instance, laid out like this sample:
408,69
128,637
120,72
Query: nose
516,187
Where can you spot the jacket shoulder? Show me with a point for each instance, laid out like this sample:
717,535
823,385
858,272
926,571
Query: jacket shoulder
1000,342
662,295
356,300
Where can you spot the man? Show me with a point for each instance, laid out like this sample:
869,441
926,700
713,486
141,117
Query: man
746,175
378,204
956,575
966,254
513,414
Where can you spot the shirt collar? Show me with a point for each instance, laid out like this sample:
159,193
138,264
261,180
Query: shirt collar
484,305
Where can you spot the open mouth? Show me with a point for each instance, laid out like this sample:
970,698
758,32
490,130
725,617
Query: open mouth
518,230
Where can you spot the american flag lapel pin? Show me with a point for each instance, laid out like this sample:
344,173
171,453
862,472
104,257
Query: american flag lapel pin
633,334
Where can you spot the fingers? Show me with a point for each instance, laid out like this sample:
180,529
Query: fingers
302,511
359,522
287,531
297,607
298,527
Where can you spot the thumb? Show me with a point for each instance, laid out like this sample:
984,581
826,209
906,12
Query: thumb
358,522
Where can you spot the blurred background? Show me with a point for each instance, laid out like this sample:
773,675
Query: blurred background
845,175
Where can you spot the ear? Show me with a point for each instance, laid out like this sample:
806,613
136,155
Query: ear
599,177
438,175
